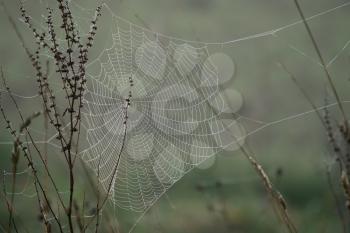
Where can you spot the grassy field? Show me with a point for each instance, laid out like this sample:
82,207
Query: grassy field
283,132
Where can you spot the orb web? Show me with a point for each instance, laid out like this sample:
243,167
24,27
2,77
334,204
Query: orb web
176,119
168,111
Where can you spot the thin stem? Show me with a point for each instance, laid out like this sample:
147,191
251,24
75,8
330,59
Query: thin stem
25,127
10,209
30,164
277,197
323,63
114,172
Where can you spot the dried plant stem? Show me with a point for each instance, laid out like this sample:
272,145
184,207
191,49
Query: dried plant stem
46,127
324,66
328,128
71,193
96,191
41,209
343,159
325,120
276,196
15,159
115,169
10,209
31,165
41,204
337,202
24,126
98,199
70,60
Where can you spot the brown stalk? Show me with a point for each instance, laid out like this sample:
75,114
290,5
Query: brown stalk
343,161
30,164
114,172
98,199
10,209
324,66
276,196
47,225
15,159
326,124
24,126
74,81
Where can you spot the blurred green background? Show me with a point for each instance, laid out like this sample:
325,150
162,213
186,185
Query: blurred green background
228,196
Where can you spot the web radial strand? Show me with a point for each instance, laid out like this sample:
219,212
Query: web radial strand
168,125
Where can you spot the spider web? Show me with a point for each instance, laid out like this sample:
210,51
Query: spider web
176,119
170,127
178,116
